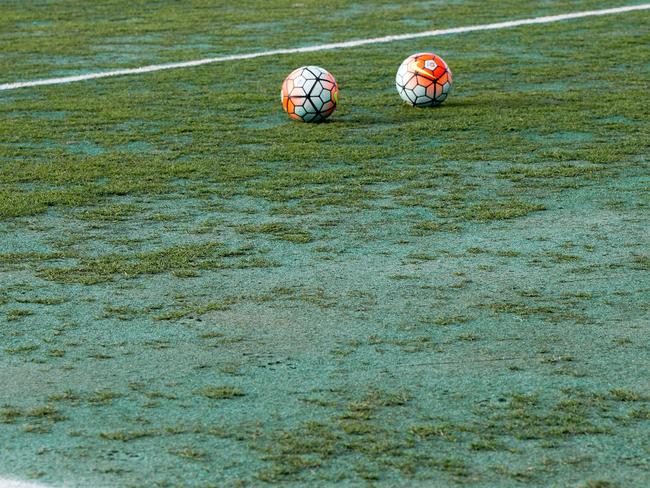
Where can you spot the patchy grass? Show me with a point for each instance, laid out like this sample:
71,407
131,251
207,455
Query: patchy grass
221,392
18,313
500,210
205,256
280,231
446,297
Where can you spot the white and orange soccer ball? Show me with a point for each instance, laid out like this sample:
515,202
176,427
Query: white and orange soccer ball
423,80
310,94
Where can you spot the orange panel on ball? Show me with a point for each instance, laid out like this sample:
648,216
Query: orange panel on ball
424,81
438,90
420,79
309,94
412,83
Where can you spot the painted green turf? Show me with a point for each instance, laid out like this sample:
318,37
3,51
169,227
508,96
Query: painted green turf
196,291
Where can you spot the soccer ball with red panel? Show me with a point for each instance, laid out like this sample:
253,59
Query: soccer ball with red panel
309,94
423,80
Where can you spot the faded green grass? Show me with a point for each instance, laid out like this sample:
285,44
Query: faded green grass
180,260
444,297
42,45
349,169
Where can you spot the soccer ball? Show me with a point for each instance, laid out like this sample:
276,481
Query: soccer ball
309,94
423,80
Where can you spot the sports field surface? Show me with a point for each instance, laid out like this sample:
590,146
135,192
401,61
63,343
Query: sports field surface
197,291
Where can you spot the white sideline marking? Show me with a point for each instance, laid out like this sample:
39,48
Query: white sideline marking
5,483
324,47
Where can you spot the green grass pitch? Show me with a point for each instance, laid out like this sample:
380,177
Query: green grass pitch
197,291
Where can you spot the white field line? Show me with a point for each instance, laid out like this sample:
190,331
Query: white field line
325,47
5,483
